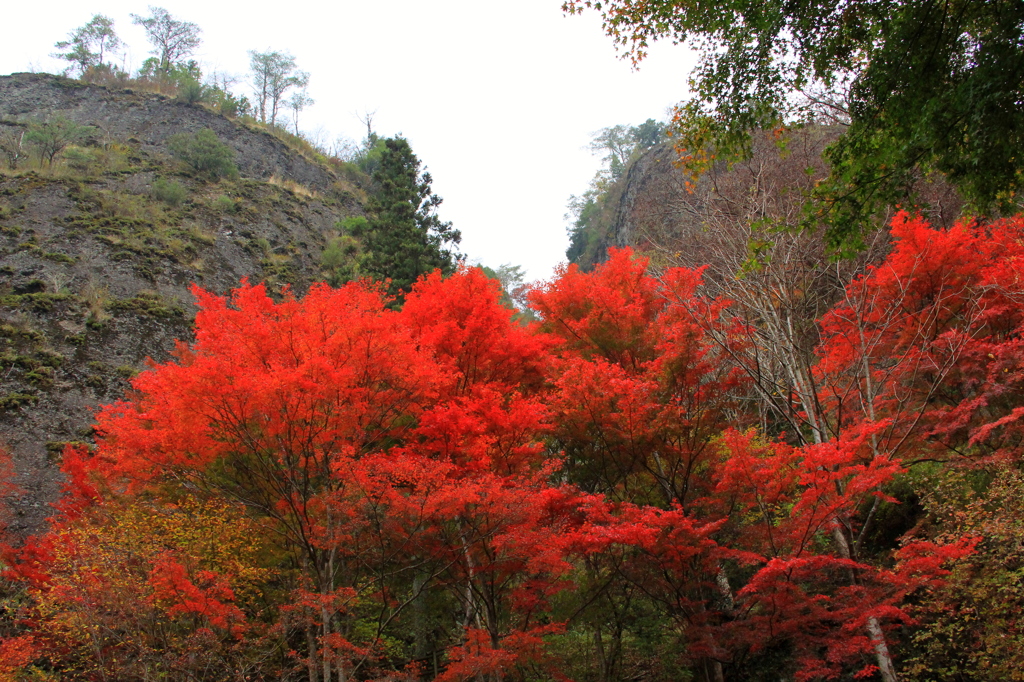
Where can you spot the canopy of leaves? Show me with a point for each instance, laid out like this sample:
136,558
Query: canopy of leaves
89,45
440,489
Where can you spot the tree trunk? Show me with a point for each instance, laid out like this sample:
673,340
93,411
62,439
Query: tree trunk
885,666
882,656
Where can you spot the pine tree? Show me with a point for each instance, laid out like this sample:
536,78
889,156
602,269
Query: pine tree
405,238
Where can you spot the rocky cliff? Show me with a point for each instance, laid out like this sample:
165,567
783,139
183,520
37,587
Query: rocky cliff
97,255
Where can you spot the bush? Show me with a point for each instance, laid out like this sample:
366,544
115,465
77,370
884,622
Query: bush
171,192
79,159
229,107
340,252
12,148
52,137
205,153
191,91
226,103
225,204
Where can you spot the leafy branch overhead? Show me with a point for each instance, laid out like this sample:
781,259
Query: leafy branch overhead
919,85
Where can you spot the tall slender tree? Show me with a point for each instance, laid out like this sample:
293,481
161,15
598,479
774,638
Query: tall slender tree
273,75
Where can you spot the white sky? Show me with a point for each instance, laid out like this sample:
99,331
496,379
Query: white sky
499,100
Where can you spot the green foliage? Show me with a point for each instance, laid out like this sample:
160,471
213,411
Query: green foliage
177,74
54,448
52,137
126,371
40,302
623,144
191,91
588,226
78,158
139,230
224,204
226,103
205,153
148,304
514,289
13,401
171,192
367,159
298,101
20,334
340,259
273,74
57,257
591,214
404,238
89,46
91,161
923,86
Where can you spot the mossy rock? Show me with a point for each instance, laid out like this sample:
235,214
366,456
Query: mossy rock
148,304
42,302
13,401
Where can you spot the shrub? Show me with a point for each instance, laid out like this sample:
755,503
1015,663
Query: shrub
52,137
191,91
205,153
12,148
171,192
225,204
79,158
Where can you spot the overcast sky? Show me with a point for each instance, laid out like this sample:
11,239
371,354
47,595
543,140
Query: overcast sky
499,100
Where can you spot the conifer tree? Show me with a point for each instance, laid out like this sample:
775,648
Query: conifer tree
405,238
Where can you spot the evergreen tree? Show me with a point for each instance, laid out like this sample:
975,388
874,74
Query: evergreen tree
404,237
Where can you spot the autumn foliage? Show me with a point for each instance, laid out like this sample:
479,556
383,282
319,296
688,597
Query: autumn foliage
326,487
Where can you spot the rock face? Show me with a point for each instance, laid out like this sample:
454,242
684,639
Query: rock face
96,261
650,178
658,208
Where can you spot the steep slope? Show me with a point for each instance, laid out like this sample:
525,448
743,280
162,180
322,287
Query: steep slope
147,120
656,207
97,255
